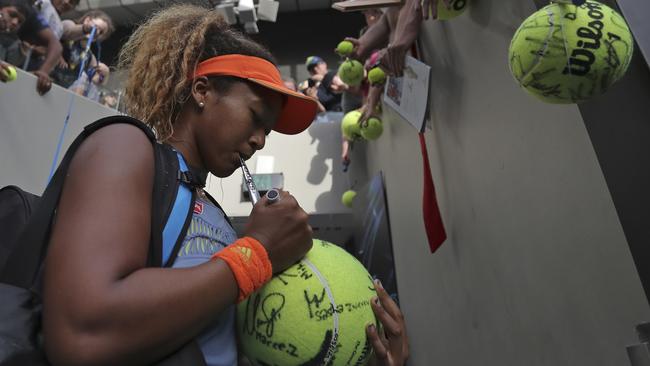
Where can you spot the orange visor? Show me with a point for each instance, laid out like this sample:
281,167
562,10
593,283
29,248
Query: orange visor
299,110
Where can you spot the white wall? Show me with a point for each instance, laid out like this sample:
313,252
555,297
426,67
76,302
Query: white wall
30,126
536,269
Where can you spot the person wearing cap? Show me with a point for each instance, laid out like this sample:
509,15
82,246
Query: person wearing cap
213,95
329,85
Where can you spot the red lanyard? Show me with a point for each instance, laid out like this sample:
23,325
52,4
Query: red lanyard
433,224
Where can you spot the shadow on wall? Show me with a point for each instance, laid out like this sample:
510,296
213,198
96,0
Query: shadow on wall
326,132
482,13
445,101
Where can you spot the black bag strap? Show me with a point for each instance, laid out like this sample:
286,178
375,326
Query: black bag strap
24,262
16,207
165,205
172,175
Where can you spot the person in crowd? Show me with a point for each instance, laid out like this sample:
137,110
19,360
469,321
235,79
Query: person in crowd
330,86
52,10
309,87
13,14
20,22
371,16
77,34
290,83
33,55
76,30
91,81
108,99
186,82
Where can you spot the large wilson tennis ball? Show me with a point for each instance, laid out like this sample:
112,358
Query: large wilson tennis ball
350,126
567,54
373,129
351,72
456,8
314,313
345,48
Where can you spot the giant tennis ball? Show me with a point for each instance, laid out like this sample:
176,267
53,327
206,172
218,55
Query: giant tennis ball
568,54
351,72
10,73
348,197
314,313
345,48
372,129
456,8
350,125
376,75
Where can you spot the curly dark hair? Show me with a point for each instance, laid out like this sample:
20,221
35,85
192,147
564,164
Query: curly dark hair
165,50
24,7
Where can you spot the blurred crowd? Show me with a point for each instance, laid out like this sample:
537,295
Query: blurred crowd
41,37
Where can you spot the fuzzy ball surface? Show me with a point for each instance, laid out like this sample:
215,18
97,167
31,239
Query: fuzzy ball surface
313,313
350,126
351,72
372,129
11,73
345,48
565,53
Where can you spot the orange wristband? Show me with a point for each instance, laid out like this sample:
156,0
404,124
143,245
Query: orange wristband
250,264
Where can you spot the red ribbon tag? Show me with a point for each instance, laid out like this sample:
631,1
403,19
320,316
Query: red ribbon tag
431,213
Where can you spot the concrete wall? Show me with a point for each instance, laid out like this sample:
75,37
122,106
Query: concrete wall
30,126
536,269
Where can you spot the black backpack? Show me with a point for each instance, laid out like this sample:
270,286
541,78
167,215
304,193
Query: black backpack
25,223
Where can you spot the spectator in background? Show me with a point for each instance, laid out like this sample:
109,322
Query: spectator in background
91,81
329,85
109,99
21,22
74,49
51,11
81,28
309,87
372,16
32,55
12,16
290,83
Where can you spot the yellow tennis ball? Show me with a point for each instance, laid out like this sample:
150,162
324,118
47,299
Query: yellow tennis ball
376,76
11,73
372,129
350,125
456,8
345,48
351,72
313,313
348,198
567,54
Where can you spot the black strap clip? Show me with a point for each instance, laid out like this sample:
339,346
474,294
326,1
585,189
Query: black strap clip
189,179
